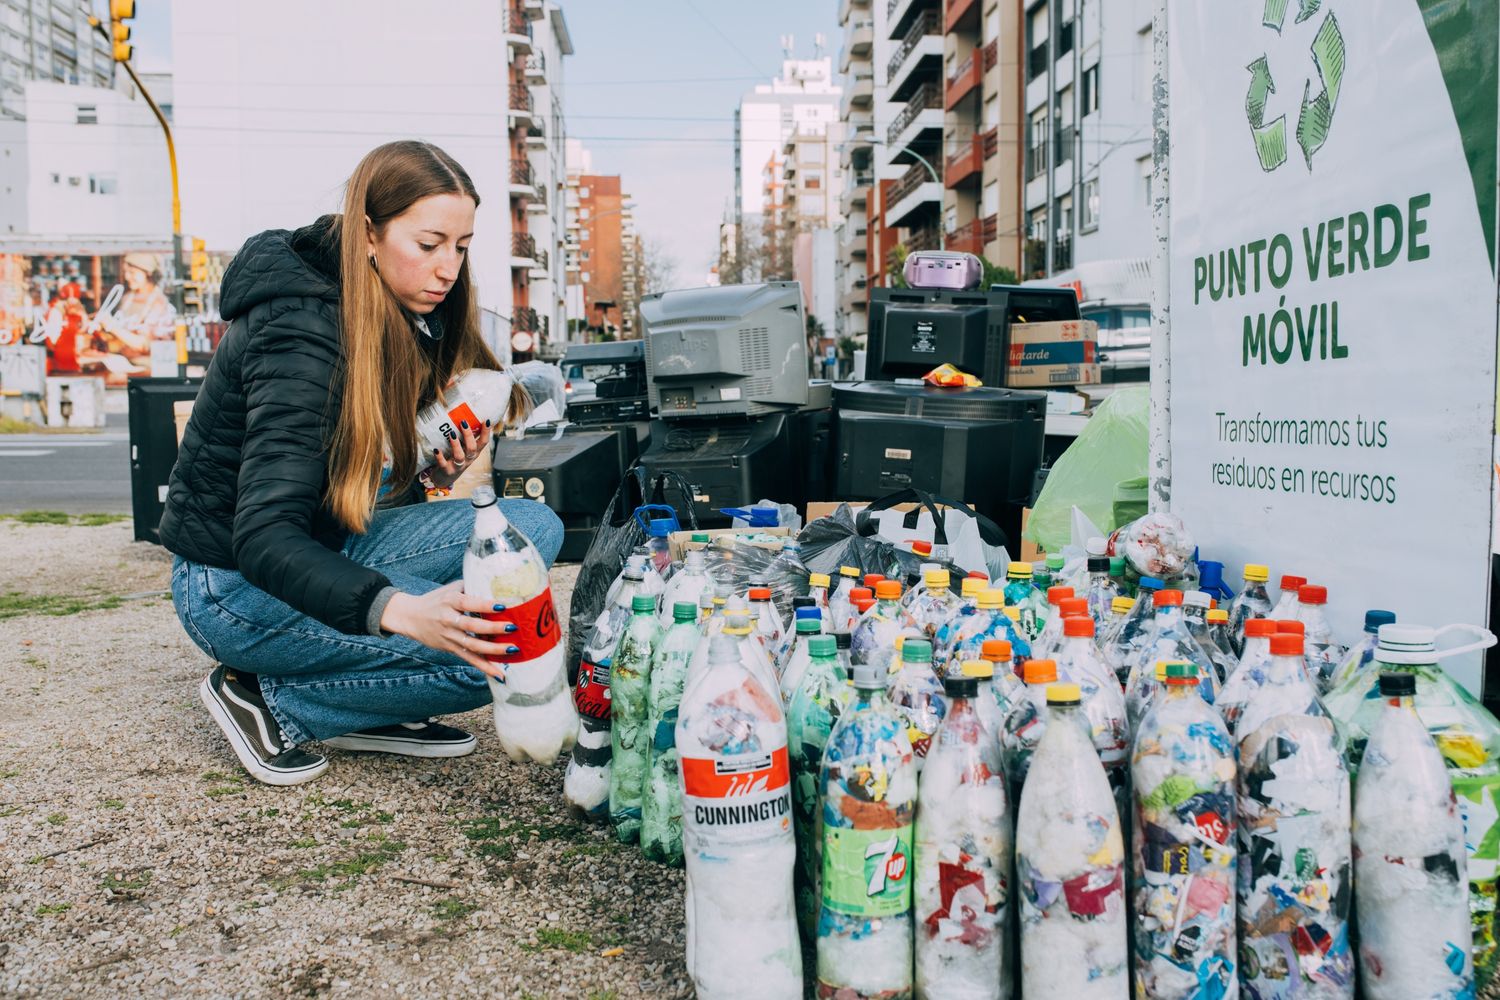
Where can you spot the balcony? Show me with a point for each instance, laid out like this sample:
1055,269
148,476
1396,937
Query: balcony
539,264
991,54
859,93
912,122
1066,135
848,7
534,10
536,69
861,38
918,57
522,179
522,250
974,236
965,166
913,197
960,15
964,81
517,30
854,246
1062,254
525,319
538,202
522,107
923,238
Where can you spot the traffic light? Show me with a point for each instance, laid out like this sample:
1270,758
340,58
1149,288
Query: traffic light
121,11
198,266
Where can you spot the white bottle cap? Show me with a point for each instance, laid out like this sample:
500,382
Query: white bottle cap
1406,644
1196,599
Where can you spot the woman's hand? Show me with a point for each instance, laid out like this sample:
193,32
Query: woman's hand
440,619
463,447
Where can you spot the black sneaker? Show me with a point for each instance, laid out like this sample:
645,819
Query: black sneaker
410,739
253,734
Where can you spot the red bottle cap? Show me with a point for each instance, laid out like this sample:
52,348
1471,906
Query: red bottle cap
1286,644
863,604
1078,625
1289,582
1055,594
861,594
1288,627
760,593
995,650
1310,593
1167,598
1260,626
1071,606
922,548
871,579
1040,671
888,590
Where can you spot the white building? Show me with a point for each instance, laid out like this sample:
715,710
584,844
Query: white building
864,46
546,143
804,93
82,162
48,40
1088,70
281,98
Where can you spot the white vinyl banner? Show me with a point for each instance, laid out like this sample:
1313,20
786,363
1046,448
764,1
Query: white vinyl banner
1333,297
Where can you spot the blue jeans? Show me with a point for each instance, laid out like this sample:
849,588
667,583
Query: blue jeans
320,682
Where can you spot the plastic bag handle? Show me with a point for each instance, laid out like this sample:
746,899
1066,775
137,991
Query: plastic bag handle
644,510
1486,639
621,506
989,531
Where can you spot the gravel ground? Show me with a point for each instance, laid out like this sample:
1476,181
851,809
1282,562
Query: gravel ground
137,858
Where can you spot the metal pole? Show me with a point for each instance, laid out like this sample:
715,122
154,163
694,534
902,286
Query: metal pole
1160,427
936,180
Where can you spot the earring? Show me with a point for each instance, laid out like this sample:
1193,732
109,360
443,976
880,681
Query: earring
374,264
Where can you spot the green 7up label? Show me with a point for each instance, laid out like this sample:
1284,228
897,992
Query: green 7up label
867,873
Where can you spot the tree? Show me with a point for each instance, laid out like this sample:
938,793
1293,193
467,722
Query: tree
658,268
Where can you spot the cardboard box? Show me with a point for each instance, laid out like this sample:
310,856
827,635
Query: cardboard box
1064,352
680,543
1030,551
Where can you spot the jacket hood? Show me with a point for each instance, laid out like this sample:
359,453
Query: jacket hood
283,263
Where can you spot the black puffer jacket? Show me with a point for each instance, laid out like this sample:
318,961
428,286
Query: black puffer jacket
249,488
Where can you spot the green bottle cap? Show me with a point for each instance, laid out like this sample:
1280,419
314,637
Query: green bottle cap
684,611
916,651
822,645
808,626
643,604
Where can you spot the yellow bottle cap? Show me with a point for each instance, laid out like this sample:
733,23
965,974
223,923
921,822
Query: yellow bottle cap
736,630
1257,573
1064,694
937,579
1013,613
1218,616
978,668
1121,605
818,580
972,586
1019,571
991,599
848,571
899,640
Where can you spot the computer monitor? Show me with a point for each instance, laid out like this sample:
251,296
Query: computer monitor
913,330
731,350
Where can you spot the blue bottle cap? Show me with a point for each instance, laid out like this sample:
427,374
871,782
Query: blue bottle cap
1375,619
815,614
1151,583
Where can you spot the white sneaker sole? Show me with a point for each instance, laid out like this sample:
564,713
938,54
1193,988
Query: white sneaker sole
242,749
404,747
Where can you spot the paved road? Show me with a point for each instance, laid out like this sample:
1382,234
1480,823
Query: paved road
78,473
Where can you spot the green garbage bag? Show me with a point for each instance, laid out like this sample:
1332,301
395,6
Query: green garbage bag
1112,448
1131,501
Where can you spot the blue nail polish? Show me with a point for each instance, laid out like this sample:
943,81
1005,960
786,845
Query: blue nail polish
510,628
486,423
499,607
512,650
464,424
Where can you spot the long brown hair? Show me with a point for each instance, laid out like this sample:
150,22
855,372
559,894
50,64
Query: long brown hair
386,377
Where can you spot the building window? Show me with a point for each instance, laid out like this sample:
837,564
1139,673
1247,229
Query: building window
1065,24
990,202
1088,220
1036,159
1036,244
1090,86
1064,129
1062,243
583,192
1036,42
950,218
584,255
103,184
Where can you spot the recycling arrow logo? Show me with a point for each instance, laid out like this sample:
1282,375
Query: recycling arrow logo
1316,116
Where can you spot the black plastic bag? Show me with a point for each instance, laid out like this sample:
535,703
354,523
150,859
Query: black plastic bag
619,532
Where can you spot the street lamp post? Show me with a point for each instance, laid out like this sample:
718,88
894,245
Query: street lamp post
931,172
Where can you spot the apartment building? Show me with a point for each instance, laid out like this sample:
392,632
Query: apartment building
48,40
856,153
1088,68
598,224
812,181
982,159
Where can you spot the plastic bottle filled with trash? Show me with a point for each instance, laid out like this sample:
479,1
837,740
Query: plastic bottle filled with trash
1195,613
1125,643
1041,577
687,584
1169,640
802,607
1362,653
1218,633
1070,866
661,812
812,711
1045,644
1184,843
1324,652
869,792
963,858
477,398
1409,860
1103,704
937,603
1467,736
1252,602
840,617
966,635
734,625
1248,674
737,835
1100,589
1018,584
917,694
873,639
586,782
797,658
1295,867
765,621
1286,603
985,701
1026,722
817,589
630,698
1105,633
533,712
968,591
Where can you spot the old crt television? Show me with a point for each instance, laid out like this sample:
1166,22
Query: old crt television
913,330
733,350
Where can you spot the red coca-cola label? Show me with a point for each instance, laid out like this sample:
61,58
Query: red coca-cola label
537,629
592,693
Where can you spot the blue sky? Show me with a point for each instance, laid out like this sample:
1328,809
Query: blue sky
651,89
